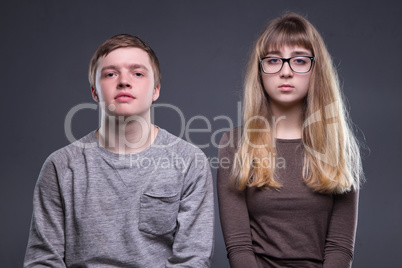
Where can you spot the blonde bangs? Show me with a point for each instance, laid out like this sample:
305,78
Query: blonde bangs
288,34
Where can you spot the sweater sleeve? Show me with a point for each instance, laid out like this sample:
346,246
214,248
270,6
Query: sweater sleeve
233,211
46,237
339,245
194,238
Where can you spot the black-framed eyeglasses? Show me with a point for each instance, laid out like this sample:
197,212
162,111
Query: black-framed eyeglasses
298,64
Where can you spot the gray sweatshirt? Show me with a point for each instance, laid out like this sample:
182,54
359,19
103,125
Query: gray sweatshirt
94,208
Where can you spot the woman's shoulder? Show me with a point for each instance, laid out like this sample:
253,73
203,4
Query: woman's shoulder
231,138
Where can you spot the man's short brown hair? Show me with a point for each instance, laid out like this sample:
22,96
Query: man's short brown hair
120,41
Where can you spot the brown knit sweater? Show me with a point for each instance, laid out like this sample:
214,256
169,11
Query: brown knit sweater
290,227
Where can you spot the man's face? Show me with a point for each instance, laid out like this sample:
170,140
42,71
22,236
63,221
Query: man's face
125,82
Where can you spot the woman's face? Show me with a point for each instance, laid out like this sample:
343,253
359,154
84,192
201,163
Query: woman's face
287,88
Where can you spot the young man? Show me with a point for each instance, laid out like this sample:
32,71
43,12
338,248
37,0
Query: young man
129,194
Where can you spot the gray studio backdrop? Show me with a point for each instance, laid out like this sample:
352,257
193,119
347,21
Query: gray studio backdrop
203,48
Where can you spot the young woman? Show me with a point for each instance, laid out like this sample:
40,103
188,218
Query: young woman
289,196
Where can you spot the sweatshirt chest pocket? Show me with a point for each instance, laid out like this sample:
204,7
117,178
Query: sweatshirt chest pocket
158,213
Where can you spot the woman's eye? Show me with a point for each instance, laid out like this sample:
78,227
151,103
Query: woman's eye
273,61
109,74
299,61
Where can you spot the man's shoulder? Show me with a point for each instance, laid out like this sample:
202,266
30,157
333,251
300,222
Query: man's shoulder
175,144
72,151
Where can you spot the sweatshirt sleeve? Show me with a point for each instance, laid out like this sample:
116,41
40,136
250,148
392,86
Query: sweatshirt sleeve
194,238
46,237
339,244
233,211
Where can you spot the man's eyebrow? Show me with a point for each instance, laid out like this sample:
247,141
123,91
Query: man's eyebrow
109,67
137,66
131,67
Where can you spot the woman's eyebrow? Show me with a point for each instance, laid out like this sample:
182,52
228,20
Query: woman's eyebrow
300,53
294,53
274,52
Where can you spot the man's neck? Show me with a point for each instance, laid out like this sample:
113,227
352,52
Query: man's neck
126,136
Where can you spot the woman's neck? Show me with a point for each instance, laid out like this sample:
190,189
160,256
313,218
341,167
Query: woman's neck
288,121
125,136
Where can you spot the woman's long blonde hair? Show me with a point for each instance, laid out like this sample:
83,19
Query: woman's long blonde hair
332,162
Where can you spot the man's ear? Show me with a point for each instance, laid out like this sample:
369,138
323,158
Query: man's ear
94,94
157,90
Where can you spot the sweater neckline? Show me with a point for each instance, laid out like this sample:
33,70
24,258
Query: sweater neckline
116,156
288,140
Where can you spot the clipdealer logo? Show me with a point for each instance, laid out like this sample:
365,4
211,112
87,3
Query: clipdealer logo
186,130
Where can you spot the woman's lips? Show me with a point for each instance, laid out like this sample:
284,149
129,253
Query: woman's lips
286,88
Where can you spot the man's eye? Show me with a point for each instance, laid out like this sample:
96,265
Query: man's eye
138,74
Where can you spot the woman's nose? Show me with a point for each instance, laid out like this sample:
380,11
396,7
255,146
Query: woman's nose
286,70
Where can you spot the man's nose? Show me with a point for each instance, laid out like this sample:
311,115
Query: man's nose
124,81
